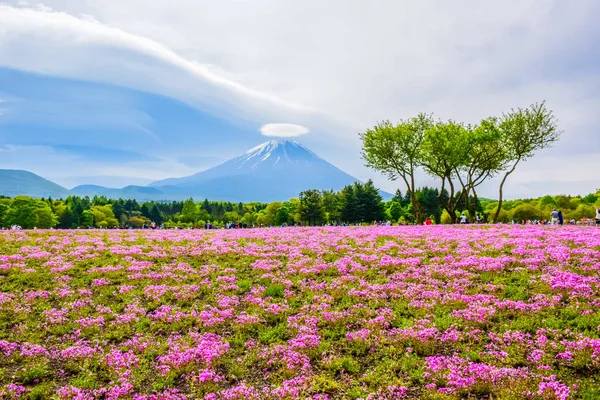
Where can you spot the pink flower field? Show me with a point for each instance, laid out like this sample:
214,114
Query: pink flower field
439,312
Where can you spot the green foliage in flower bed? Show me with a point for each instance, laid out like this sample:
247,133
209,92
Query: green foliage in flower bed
322,313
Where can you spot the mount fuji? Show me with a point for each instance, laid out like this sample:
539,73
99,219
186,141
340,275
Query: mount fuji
275,170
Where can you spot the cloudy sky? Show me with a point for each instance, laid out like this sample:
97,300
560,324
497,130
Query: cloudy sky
120,92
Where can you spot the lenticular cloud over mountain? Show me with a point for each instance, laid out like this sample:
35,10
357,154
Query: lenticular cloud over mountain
283,130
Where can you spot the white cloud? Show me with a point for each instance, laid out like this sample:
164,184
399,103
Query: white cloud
337,66
57,43
283,130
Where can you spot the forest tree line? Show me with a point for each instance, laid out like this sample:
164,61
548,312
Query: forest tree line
360,202
355,204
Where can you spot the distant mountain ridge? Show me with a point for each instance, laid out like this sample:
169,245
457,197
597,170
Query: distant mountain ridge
273,171
14,182
131,191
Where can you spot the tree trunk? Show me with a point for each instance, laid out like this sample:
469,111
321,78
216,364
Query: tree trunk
465,191
475,203
417,209
497,215
450,206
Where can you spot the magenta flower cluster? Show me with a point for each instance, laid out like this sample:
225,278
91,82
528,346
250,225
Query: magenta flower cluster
301,313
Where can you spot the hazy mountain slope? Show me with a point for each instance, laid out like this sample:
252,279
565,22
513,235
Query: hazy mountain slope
18,182
140,193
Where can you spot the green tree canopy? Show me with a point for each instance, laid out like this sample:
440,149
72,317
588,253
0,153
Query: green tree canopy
311,207
445,152
397,151
29,213
87,219
525,131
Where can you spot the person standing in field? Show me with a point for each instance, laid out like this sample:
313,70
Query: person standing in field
463,219
597,216
560,218
554,217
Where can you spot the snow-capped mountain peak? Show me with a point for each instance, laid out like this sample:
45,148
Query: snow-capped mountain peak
274,170
274,152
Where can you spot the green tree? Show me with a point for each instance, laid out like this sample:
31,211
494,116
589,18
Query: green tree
282,216
86,203
429,198
582,211
87,219
231,216
136,222
445,152
348,204
145,210
123,220
156,215
206,206
293,207
565,202
524,132
525,212
403,200
189,213
372,203
21,212
504,216
3,210
397,151
331,205
311,207
484,160
118,208
445,218
131,205
249,218
65,220
104,216
270,213
218,211
45,217
394,211
29,213
590,199
548,201
76,210
99,201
